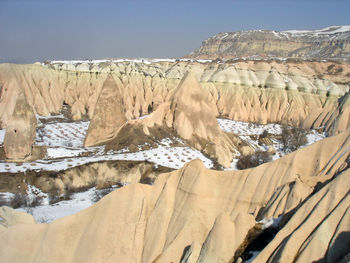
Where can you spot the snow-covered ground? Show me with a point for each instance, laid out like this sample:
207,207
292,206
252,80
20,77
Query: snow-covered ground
69,134
245,130
136,60
324,31
46,212
64,142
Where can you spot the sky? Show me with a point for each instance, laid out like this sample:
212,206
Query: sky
38,30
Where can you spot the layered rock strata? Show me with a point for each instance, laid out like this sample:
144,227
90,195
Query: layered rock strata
331,42
254,91
99,174
190,112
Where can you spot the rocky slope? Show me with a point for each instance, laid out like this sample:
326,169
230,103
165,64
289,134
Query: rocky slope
328,43
199,215
253,91
108,115
297,93
192,214
190,113
20,132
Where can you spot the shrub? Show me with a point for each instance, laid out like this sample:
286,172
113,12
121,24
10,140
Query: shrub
22,200
150,108
292,138
264,134
55,196
36,201
98,194
146,180
19,200
253,160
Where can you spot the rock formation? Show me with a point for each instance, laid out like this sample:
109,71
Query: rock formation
99,174
108,115
199,215
192,214
20,131
10,218
191,112
331,42
255,91
319,229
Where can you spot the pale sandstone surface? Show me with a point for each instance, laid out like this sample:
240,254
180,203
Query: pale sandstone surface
191,113
10,217
203,209
318,230
20,131
257,91
108,116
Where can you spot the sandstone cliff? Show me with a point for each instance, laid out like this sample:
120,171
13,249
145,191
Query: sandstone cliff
108,115
191,113
20,131
253,91
328,43
199,215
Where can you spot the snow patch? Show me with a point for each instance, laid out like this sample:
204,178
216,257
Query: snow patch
270,222
2,135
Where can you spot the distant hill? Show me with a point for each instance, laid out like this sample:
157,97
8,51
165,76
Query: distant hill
329,43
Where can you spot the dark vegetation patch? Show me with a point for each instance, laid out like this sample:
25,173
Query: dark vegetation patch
100,193
253,160
251,236
292,138
257,240
23,200
44,180
2,153
132,136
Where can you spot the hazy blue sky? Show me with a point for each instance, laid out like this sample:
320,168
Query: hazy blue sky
36,30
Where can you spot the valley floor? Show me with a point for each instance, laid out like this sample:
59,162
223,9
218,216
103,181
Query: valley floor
64,141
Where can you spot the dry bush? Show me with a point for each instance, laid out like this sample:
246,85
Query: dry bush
19,200
264,134
253,160
22,200
54,197
292,138
36,201
98,194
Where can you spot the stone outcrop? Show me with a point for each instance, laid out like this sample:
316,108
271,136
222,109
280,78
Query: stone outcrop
10,217
331,42
99,174
256,91
319,229
20,131
200,215
339,120
108,115
191,112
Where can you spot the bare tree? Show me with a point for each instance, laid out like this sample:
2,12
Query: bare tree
292,138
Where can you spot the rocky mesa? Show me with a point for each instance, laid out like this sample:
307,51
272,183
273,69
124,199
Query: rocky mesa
327,43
